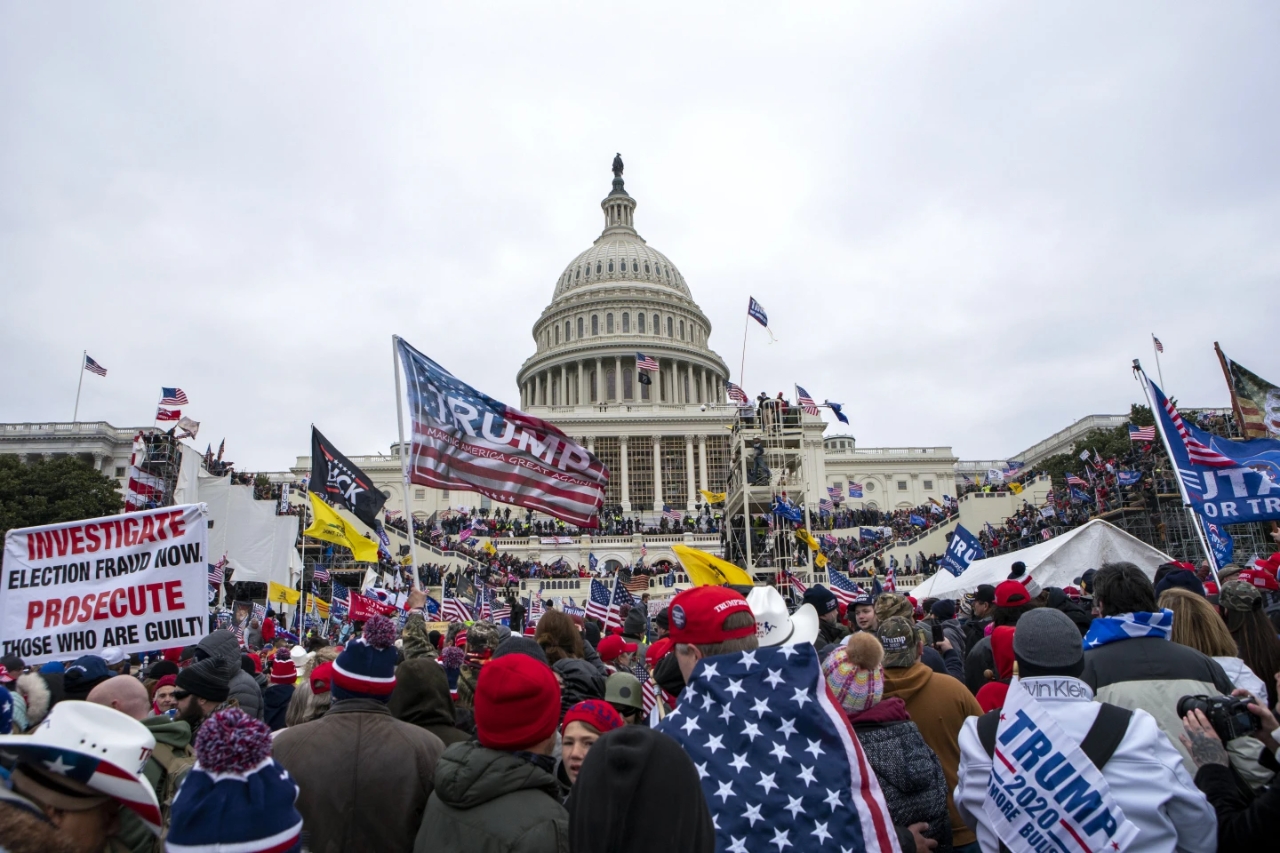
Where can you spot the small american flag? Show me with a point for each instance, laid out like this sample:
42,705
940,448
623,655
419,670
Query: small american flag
836,493
501,611
163,414
1146,433
672,514
644,550
598,603
93,366
855,489
392,513
1198,452
455,610
806,402
173,397
891,579
825,505
736,394
844,589
1073,480
638,585
1156,341
320,575
620,597
340,594
217,572
645,362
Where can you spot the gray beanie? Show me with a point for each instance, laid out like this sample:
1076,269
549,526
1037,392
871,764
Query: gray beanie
1047,639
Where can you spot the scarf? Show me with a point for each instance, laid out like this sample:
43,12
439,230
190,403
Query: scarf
1125,626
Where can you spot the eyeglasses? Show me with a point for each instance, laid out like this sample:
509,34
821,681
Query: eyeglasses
179,695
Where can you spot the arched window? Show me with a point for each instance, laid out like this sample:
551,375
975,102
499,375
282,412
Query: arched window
610,265
595,324
670,325
567,328
640,323
579,327
577,274
557,334
626,383
657,327
610,385
682,330
635,266
597,268
608,324
626,322
646,267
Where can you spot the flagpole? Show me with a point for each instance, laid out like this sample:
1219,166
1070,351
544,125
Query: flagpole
75,417
1168,449
1159,372
746,327
1231,389
404,467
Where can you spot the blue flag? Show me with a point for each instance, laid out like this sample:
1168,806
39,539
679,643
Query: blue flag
868,533
876,589
433,608
592,562
1221,543
756,311
790,513
736,720
1080,495
1128,478
1228,482
916,520
962,551
837,409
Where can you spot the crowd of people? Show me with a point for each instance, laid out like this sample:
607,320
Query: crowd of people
566,735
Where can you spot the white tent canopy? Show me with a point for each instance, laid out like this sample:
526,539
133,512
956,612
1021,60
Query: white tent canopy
1056,562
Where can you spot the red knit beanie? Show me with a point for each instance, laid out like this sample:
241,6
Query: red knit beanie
516,704
596,713
283,670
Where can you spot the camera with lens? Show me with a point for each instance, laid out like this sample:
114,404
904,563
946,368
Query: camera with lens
1228,715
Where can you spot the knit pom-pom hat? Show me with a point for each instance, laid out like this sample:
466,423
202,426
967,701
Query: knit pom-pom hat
855,672
366,669
237,797
283,670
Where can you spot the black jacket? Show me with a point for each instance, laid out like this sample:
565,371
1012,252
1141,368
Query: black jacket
275,703
1242,824
421,698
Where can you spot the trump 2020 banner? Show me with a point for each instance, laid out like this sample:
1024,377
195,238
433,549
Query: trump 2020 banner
961,551
466,440
133,582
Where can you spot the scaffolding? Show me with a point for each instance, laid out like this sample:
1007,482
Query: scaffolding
1163,522
153,470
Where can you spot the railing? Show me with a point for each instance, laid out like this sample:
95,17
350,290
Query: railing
85,428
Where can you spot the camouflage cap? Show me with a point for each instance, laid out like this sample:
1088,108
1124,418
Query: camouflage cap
1239,596
898,636
481,636
891,604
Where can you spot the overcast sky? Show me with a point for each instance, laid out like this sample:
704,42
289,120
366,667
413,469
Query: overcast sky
964,219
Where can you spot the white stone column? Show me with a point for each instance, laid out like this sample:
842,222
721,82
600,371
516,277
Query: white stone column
582,386
657,474
688,471
626,478
591,444
702,385
617,378
537,389
702,462
693,386
599,381
564,384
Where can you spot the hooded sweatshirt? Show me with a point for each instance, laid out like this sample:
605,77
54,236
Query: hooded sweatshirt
993,693
223,644
421,698
939,705
275,704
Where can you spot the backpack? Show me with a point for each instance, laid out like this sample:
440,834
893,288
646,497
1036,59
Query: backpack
1099,744
175,764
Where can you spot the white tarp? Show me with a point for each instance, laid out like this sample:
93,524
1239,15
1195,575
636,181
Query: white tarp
257,543
1057,562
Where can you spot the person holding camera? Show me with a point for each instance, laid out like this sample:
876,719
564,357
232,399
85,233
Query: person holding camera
1246,820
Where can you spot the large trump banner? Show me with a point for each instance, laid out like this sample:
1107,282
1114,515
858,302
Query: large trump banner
136,582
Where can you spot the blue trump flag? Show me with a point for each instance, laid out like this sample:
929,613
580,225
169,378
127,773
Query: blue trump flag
916,520
868,533
1080,495
1227,482
756,312
776,756
962,551
837,409
1128,478
787,511
1220,542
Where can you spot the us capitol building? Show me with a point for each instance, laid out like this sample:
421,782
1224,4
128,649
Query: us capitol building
662,440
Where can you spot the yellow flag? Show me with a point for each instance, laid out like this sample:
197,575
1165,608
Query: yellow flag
281,594
714,497
331,527
807,538
489,549
321,607
820,560
1016,488
709,570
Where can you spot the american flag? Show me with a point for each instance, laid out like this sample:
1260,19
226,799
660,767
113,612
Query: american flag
340,594
825,505
845,590
163,414
321,575
796,584
855,489
1052,499
500,611
173,397
1156,341
533,607
93,366
891,579
217,572
455,610
392,513
645,362
1146,433
736,394
638,584
816,792
620,597
501,452
649,693
1073,480
644,550
1197,451
806,402
598,603
836,493
672,514
484,603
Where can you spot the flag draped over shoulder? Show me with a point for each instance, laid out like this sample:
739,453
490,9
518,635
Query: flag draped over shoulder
709,570
340,482
1257,400
331,527
466,440
777,758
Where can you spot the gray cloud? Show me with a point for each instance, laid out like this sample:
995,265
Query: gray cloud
964,221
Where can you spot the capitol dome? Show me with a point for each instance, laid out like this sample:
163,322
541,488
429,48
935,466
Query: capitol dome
617,299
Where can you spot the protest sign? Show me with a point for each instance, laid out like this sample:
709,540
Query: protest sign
135,582
363,608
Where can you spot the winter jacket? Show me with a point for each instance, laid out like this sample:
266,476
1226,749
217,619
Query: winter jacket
421,698
954,632
580,680
974,631
830,632
224,645
1074,610
363,776
977,664
1243,677
1243,824
909,773
939,705
275,703
1153,673
487,801
944,663
591,656
1145,775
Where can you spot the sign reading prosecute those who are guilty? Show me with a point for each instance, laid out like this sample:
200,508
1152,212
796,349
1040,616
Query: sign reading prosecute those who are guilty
136,582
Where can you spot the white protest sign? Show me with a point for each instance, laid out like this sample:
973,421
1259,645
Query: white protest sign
136,582
1044,793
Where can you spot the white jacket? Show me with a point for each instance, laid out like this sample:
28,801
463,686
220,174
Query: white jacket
1241,676
1145,774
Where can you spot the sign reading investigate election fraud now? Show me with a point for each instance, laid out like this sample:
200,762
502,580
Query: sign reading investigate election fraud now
136,582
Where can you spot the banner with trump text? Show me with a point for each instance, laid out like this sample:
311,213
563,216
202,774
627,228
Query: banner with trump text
135,582
467,441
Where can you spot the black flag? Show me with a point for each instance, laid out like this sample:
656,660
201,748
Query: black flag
643,377
339,482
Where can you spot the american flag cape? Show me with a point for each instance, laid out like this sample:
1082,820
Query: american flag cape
778,760
466,440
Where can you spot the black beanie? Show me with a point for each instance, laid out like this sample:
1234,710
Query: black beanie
209,679
161,668
631,774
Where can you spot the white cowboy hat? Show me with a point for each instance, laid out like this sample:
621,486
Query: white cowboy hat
98,748
774,626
